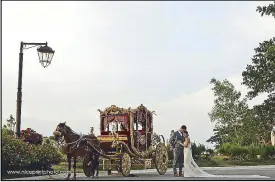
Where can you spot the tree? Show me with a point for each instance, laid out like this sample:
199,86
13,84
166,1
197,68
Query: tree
228,114
215,139
267,10
197,150
234,121
11,123
259,77
265,115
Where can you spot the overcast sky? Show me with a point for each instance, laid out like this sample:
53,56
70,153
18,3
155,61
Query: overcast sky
161,54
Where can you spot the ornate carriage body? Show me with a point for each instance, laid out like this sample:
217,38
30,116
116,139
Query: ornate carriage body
127,138
134,127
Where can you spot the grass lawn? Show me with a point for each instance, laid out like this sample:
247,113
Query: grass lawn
63,166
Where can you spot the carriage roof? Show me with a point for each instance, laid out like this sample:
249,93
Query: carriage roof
114,110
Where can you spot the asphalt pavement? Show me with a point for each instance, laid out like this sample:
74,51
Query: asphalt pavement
232,173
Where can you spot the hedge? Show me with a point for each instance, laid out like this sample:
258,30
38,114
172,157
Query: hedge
238,152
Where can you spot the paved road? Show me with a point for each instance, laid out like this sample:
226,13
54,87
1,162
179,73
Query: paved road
259,172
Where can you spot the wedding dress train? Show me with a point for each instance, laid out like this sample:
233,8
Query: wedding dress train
191,169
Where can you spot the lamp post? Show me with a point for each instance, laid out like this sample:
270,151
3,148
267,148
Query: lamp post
45,55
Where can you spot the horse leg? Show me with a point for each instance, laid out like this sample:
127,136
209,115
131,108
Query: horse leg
74,166
69,166
97,166
93,164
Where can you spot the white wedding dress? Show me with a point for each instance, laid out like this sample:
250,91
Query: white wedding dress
191,169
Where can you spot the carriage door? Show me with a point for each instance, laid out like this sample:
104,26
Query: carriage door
149,128
142,130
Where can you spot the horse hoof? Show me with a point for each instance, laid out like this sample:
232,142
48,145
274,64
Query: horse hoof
67,178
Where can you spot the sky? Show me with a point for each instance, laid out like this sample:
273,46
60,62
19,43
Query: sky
160,54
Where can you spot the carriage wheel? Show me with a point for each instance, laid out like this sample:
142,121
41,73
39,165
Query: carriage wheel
125,164
161,158
87,166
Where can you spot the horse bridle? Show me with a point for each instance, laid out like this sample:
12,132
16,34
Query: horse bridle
60,132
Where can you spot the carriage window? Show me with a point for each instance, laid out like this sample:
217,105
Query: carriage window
115,123
112,126
122,127
139,126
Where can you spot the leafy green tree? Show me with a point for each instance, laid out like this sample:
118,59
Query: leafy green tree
259,77
267,10
8,128
215,139
234,121
228,113
11,123
197,150
264,114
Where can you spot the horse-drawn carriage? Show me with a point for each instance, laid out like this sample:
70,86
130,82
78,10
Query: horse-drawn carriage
127,139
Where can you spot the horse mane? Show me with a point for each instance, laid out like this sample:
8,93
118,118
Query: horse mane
71,130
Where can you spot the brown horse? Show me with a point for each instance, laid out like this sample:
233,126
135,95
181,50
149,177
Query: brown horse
75,146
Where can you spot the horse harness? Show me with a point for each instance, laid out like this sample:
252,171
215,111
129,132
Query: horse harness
75,144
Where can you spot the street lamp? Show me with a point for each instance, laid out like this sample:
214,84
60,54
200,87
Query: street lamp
45,55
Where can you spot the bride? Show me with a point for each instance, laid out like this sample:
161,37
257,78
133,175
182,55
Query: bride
191,169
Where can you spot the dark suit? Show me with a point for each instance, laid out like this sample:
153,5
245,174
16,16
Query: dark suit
178,152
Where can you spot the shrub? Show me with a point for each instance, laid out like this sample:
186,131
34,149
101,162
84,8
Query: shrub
197,150
30,136
267,151
247,152
224,149
210,151
237,150
20,155
253,151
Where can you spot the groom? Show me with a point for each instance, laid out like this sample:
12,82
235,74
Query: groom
178,150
